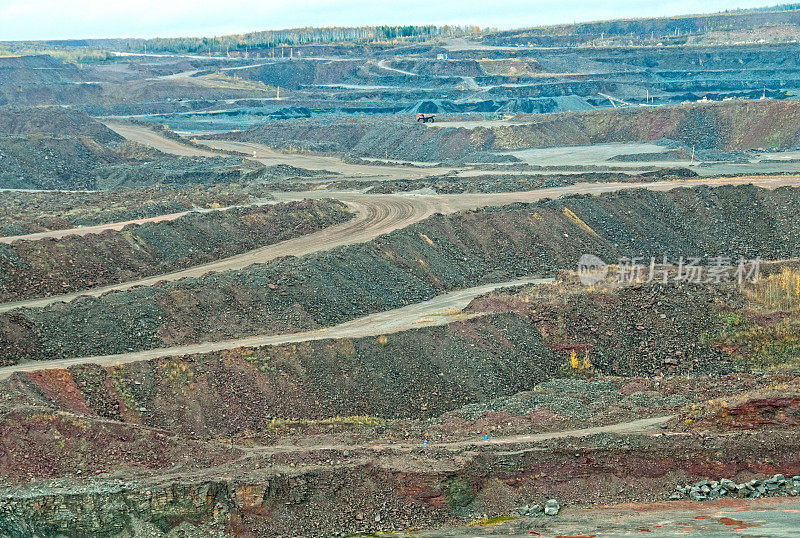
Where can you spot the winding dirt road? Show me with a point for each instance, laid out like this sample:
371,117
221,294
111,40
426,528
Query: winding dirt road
377,214
382,65
146,136
643,425
639,426
268,156
440,310
373,218
264,154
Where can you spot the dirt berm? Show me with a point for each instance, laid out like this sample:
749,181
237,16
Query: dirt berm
418,373
53,121
56,148
412,265
53,266
165,420
82,163
735,125
25,213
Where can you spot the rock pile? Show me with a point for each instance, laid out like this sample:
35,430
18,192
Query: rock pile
550,508
53,266
704,490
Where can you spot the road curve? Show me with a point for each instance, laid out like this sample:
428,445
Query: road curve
383,213
437,311
147,136
374,216
330,163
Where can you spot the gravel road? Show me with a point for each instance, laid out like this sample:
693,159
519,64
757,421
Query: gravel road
377,214
86,230
437,311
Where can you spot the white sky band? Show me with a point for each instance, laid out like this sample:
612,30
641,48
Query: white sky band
59,19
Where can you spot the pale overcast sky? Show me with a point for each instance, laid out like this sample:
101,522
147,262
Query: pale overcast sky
66,19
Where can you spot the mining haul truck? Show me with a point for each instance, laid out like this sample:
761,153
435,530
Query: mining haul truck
425,118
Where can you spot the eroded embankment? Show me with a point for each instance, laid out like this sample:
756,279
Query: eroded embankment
417,373
306,496
718,126
647,329
412,265
46,267
146,418
524,338
712,126
407,141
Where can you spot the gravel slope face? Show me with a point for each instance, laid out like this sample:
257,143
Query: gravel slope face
56,121
52,266
412,265
418,373
718,126
725,126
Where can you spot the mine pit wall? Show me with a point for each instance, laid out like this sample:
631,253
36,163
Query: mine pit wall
411,265
418,374
719,126
711,126
364,495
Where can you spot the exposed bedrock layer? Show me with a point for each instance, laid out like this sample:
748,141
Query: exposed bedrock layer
373,493
151,418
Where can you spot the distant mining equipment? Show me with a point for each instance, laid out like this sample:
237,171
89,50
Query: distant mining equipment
615,102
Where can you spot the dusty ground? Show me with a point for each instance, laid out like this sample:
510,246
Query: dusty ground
376,215
717,519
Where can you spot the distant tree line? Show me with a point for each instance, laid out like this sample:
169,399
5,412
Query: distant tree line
75,54
649,29
276,38
779,7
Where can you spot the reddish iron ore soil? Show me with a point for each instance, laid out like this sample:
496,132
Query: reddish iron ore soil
176,428
276,491
784,412
775,406
40,444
